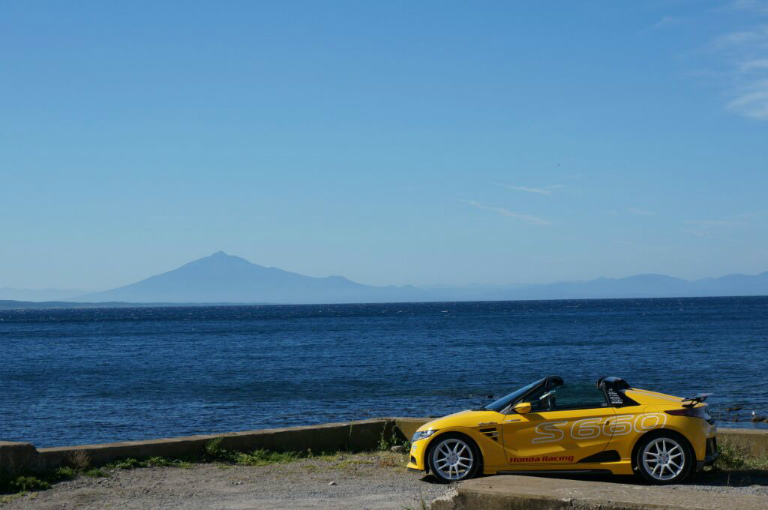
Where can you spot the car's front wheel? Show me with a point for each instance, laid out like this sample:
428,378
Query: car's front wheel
453,457
664,459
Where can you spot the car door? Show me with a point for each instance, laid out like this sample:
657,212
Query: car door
566,424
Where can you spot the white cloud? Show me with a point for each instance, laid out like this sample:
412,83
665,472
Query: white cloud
712,223
546,190
728,221
752,101
540,191
709,223
759,6
744,55
734,40
509,214
664,21
646,247
693,231
640,212
751,65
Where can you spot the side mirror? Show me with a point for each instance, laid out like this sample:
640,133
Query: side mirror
522,408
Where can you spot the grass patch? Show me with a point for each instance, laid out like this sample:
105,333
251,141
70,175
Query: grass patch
95,473
215,452
28,484
264,457
25,483
735,458
386,442
80,464
10,497
131,463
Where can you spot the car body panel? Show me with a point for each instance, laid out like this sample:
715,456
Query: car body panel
555,437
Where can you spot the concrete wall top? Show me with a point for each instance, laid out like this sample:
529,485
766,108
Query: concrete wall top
329,437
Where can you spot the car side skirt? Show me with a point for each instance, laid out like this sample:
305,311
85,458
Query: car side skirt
622,467
558,472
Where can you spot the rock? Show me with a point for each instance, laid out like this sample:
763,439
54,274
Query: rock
398,449
331,483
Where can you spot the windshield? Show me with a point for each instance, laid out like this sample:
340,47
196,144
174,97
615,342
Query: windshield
503,402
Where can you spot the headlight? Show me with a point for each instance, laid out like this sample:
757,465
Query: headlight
422,434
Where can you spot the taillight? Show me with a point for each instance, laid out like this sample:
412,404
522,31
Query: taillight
691,412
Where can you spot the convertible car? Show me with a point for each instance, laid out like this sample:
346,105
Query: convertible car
552,426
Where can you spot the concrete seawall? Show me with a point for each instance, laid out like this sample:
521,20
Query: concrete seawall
351,436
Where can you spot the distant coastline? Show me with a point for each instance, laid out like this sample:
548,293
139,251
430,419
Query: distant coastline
64,305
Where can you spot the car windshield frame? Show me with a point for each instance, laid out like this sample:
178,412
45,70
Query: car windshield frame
505,401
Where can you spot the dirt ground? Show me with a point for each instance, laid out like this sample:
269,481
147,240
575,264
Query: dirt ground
346,481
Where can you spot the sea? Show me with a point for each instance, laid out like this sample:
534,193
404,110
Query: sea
85,376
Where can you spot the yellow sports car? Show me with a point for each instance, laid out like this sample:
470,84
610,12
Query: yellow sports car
549,425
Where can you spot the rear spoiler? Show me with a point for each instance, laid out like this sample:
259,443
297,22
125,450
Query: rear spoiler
692,401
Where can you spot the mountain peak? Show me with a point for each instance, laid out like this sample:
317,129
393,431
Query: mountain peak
224,278
221,257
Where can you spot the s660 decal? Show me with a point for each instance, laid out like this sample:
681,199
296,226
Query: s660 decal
591,428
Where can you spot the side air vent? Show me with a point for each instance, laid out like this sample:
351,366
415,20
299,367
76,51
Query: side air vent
492,433
604,456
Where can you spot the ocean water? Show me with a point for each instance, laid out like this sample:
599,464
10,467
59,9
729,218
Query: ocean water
100,375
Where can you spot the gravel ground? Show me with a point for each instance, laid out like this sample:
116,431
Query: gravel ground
736,482
348,481
345,481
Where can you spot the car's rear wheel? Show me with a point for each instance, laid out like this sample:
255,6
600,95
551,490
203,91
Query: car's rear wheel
453,458
664,458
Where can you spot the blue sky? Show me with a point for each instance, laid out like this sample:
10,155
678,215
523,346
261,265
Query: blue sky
389,142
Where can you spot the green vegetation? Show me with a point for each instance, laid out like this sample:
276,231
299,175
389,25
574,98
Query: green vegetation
131,463
24,483
80,465
735,458
10,497
215,453
28,483
95,473
385,443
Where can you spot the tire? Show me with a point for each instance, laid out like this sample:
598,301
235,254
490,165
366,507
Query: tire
664,458
453,457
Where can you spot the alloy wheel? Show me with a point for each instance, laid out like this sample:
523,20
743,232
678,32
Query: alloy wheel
663,459
453,459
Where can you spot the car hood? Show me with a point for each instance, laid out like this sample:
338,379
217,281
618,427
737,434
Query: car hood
468,418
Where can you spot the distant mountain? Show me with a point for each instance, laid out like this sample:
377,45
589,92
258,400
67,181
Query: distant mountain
640,286
22,305
7,293
222,278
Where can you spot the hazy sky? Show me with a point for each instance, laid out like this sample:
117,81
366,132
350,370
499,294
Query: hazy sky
389,142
